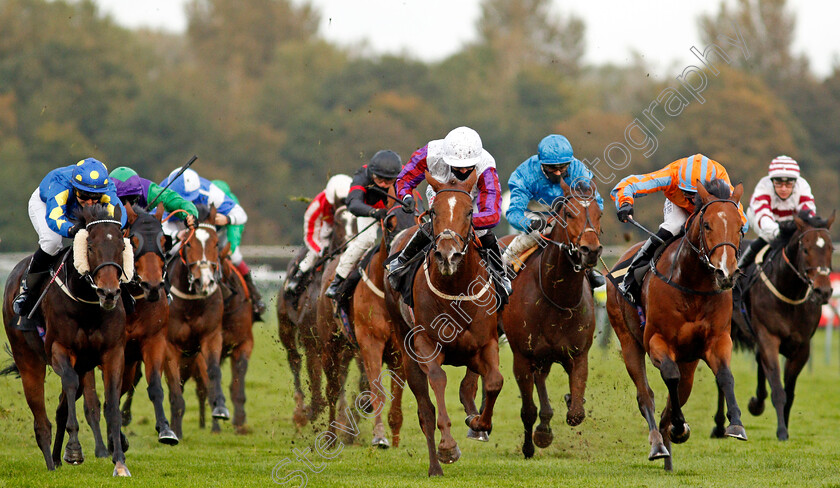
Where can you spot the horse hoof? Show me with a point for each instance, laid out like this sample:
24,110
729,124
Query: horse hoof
782,434
679,438
658,451
543,438
435,471
528,450
101,452
73,455
126,418
478,435
737,431
449,456
756,406
575,419
221,413
380,442
121,470
166,436
241,429
718,432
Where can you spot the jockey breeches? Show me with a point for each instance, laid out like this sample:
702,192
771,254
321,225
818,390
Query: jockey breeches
357,246
675,218
48,240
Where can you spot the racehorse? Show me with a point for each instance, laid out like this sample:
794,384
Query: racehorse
296,319
195,318
453,321
146,327
551,314
85,325
792,284
237,343
687,301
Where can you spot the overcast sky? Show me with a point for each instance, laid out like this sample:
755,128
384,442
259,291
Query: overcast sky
661,31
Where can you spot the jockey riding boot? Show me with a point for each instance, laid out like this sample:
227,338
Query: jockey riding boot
629,287
332,291
256,298
493,257
418,241
748,257
33,279
595,278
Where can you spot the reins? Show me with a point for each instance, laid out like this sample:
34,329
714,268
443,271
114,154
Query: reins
807,281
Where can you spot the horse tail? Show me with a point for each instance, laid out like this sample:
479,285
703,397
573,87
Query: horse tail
10,369
743,337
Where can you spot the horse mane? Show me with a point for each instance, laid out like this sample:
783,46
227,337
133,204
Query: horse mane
787,231
92,213
718,188
203,212
579,188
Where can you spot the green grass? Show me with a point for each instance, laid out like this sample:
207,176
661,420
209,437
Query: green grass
609,449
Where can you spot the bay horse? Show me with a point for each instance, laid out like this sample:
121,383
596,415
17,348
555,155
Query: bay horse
791,285
237,344
195,319
687,300
85,326
550,317
296,323
146,327
454,320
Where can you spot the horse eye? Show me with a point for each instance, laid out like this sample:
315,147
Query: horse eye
707,226
805,251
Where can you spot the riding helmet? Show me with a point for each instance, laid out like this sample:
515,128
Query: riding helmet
385,164
90,175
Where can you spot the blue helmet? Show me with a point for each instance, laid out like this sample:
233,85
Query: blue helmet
187,185
90,175
555,149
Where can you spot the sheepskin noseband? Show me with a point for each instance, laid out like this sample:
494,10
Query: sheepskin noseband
80,256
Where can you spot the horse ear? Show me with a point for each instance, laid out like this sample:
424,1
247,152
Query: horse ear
212,217
739,191
469,183
225,251
130,214
117,212
703,192
831,219
800,224
159,212
433,182
566,190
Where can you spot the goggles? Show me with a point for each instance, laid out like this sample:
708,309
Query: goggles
555,168
783,181
84,196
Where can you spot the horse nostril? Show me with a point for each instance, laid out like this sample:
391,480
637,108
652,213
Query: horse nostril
438,255
585,249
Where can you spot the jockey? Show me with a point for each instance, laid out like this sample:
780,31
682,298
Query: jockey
318,224
134,190
368,201
778,197
678,181
51,210
457,155
201,191
538,179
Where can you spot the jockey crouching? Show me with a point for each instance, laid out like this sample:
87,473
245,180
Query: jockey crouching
538,179
318,222
52,207
777,198
368,201
678,181
456,156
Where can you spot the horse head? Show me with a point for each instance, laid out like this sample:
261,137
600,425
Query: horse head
146,236
715,230
345,226
578,223
810,250
397,219
200,253
100,254
451,214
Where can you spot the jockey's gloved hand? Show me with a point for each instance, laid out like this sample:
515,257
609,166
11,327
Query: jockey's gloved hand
379,213
787,227
74,230
192,223
537,225
408,204
625,212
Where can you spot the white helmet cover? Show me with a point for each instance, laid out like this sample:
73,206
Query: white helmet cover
462,148
337,188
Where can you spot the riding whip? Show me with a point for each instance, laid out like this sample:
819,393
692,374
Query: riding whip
325,258
172,180
640,226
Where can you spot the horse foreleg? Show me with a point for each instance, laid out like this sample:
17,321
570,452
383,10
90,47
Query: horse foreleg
466,393
717,357
32,373
756,404
767,347
719,429
154,352
201,396
128,388
336,362
60,428
315,370
793,367
487,365
63,365
211,349
543,437
371,352
113,363
93,412
419,384
239,367
288,334
172,370
395,415
578,374
522,372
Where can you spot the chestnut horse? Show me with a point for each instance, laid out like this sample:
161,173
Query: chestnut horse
453,321
688,303
85,325
550,317
296,323
786,300
237,344
146,327
195,318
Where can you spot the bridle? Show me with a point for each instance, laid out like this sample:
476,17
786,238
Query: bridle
572,245
90,275
449,233
704,252
148,241
201,263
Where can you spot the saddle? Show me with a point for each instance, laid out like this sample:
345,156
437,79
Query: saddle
407,276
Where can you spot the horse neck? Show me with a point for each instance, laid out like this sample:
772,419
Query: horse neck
556,267
178,274
783,274
688,269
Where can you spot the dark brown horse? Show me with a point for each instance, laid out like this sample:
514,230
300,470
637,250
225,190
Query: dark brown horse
550,317
195,319
296,323
688,306
237,344
791,285
85,327
146,327
454,320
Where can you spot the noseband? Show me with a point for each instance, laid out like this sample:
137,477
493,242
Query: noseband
703,252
